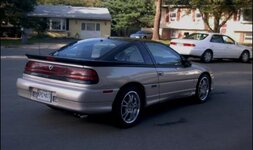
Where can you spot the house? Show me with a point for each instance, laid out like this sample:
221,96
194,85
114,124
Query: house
178,21
75,22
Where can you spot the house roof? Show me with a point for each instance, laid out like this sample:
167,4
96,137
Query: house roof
63,11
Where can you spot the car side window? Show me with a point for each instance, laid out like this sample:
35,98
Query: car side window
228,40
130,54
163,55
217,39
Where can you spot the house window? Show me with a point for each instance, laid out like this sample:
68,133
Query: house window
248,37
97,27
83,26
90,26
198,17
173,16
57,24
247,15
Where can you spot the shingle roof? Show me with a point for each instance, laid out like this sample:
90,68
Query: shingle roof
64,11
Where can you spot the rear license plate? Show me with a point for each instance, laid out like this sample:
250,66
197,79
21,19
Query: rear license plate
42,95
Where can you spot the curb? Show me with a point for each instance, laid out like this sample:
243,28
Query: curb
13,57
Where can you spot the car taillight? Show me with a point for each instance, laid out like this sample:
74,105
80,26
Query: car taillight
173,43
30,66
188,44
60,72
81,74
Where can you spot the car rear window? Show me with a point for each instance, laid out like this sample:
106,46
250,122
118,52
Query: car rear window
88,49
196,36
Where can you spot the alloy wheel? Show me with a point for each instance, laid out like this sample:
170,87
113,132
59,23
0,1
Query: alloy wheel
203,88
130,107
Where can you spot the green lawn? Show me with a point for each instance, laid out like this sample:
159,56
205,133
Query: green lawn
10,41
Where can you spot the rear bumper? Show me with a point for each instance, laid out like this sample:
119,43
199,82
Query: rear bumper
69,97
188,51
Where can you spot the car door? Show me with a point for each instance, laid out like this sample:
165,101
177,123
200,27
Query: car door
140,69
232,50
174,79
218,47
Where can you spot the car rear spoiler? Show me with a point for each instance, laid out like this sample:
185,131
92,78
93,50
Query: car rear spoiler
83,62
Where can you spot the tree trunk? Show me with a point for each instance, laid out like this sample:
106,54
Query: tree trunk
157,20
217,26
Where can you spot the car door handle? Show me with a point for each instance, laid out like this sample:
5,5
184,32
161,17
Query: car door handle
160,73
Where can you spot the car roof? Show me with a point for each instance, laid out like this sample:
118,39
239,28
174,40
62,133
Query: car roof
210,33
127,39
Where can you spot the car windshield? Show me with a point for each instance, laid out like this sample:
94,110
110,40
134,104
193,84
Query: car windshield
196,36
88,49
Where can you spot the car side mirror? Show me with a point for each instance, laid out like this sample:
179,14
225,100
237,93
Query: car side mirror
185,62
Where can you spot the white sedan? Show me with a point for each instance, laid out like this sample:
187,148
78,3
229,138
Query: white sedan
209,46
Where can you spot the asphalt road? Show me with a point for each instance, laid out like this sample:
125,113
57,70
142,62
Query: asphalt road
222,123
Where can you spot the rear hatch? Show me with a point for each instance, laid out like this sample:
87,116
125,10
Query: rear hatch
61,69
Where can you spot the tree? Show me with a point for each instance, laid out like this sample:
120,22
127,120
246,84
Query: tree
157,19
133,14
38,24
216,11
14,11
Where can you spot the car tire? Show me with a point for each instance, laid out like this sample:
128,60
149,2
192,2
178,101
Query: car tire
128,107
244,57
207,56
203,88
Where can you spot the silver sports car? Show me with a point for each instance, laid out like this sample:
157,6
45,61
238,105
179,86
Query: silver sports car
116,75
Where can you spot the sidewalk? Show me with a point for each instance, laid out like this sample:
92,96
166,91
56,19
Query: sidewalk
36,46
18,51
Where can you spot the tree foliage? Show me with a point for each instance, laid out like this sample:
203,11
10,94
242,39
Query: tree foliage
38,24
130,14
14,11
219,10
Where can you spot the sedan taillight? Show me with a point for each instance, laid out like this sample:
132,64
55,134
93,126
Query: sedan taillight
173,43
60,72
188,44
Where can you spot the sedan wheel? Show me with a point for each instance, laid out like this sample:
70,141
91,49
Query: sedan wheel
203,88
245,57
128,108
207,57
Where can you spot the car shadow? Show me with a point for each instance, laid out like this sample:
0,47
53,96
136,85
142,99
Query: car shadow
218,61
150,113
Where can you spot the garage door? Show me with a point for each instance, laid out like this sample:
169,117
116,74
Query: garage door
90,30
